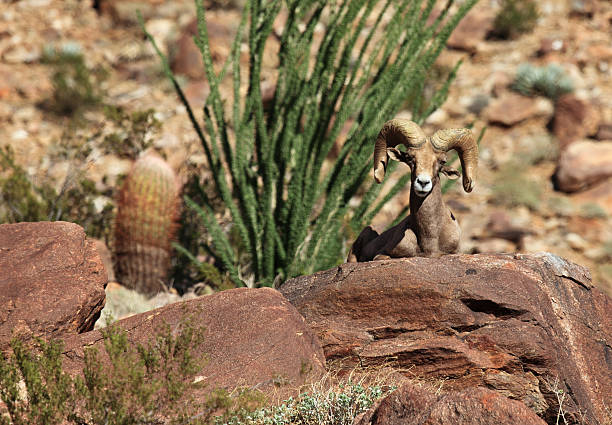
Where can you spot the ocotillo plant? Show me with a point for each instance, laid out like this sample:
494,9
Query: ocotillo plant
147,211
268,165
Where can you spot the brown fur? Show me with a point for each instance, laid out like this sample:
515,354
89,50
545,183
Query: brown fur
429,230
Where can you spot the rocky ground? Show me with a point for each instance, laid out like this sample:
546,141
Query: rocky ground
515,206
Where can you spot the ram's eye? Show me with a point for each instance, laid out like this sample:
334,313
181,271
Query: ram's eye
441,161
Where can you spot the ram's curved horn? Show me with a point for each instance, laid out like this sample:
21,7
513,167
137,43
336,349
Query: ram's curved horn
462,140
394,132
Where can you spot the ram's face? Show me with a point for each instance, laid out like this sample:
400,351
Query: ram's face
425,164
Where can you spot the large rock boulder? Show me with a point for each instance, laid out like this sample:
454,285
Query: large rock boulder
582,165
253,338
527,326
51,281
411,404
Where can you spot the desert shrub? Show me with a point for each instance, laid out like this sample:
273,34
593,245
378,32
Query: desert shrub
560,206
268,165
134,134
539,149
549,81
76,198
21,200
33,387
515,17
25,200
127,385
75,86
512,188
592,210
154,384
335,406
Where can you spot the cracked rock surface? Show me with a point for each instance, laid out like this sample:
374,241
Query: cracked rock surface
523,325
51,281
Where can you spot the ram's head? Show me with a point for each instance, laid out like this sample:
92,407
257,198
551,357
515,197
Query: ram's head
426,156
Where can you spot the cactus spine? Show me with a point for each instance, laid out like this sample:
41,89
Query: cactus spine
147,212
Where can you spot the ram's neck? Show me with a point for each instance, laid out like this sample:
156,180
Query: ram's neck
426,212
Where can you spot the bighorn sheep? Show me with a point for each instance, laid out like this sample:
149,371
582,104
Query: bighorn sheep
431,229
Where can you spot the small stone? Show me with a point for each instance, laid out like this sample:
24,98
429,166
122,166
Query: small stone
583,164
499,81
600,52
478,103
494,246
596,254
20,134
604,132
162,31
584,8
25,114
600,194
472,30
576,242
512,108
551,45
438,118
21,54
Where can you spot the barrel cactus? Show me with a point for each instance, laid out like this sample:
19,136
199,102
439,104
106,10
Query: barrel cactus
146,222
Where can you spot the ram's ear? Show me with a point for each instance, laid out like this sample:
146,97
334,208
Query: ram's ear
395,154
450,172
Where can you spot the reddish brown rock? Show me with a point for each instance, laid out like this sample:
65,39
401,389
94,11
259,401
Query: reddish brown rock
600,53
472,30
604,132
411,404
106,257
514,324
582,165
126,11
512,108
196,93
500,226
253,337
574,120
186,57
51,281
600,194
551,46
585,8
